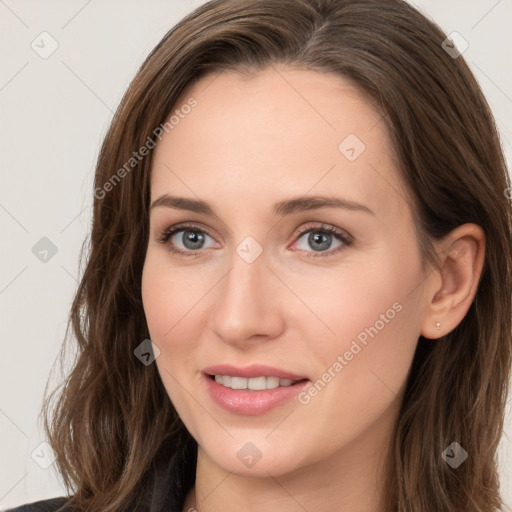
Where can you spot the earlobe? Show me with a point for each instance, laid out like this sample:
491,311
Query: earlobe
461,256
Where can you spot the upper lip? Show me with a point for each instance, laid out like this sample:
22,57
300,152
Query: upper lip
254,370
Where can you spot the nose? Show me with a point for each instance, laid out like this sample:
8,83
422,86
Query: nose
247,302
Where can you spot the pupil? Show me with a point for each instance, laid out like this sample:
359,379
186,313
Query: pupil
320,238
194,238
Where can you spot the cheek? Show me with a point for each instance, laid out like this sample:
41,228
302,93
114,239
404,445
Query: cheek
367,298
174,306
166,309
362,367
171,297
364,376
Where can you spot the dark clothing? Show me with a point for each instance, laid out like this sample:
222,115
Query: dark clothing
40,506
164,488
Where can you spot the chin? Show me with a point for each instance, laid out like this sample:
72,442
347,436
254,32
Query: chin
256,456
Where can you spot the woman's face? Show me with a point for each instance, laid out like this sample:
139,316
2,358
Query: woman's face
302,264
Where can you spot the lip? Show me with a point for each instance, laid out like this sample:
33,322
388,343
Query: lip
248,402
254,370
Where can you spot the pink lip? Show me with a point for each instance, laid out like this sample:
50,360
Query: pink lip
249,402
254,370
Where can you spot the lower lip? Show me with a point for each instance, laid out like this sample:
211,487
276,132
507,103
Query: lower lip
251,402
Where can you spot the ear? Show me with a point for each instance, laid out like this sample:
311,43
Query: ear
453,287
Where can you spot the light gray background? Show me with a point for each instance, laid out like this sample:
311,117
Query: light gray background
54,114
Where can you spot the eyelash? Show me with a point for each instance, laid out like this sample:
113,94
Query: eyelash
342,236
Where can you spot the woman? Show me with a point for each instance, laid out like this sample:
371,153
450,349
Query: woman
297,295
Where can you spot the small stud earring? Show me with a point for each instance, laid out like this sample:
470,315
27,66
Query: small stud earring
438,325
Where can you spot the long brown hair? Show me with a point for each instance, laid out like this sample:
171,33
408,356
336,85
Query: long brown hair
111,419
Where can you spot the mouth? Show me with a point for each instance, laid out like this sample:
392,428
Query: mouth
261,383
251,390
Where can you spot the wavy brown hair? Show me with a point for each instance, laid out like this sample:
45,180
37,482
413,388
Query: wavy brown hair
111,420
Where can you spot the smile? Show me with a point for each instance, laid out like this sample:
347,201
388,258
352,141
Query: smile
253,384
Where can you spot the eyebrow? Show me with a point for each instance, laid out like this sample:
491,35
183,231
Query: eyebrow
299,204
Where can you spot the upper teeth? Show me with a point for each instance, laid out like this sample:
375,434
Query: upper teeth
255,384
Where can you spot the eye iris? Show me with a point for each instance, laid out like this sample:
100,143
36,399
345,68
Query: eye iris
324,239
194,237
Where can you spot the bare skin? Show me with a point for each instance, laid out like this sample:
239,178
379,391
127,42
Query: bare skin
248,144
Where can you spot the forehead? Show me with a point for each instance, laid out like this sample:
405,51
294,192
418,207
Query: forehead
274,134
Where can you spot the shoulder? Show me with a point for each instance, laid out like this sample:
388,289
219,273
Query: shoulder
50,505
